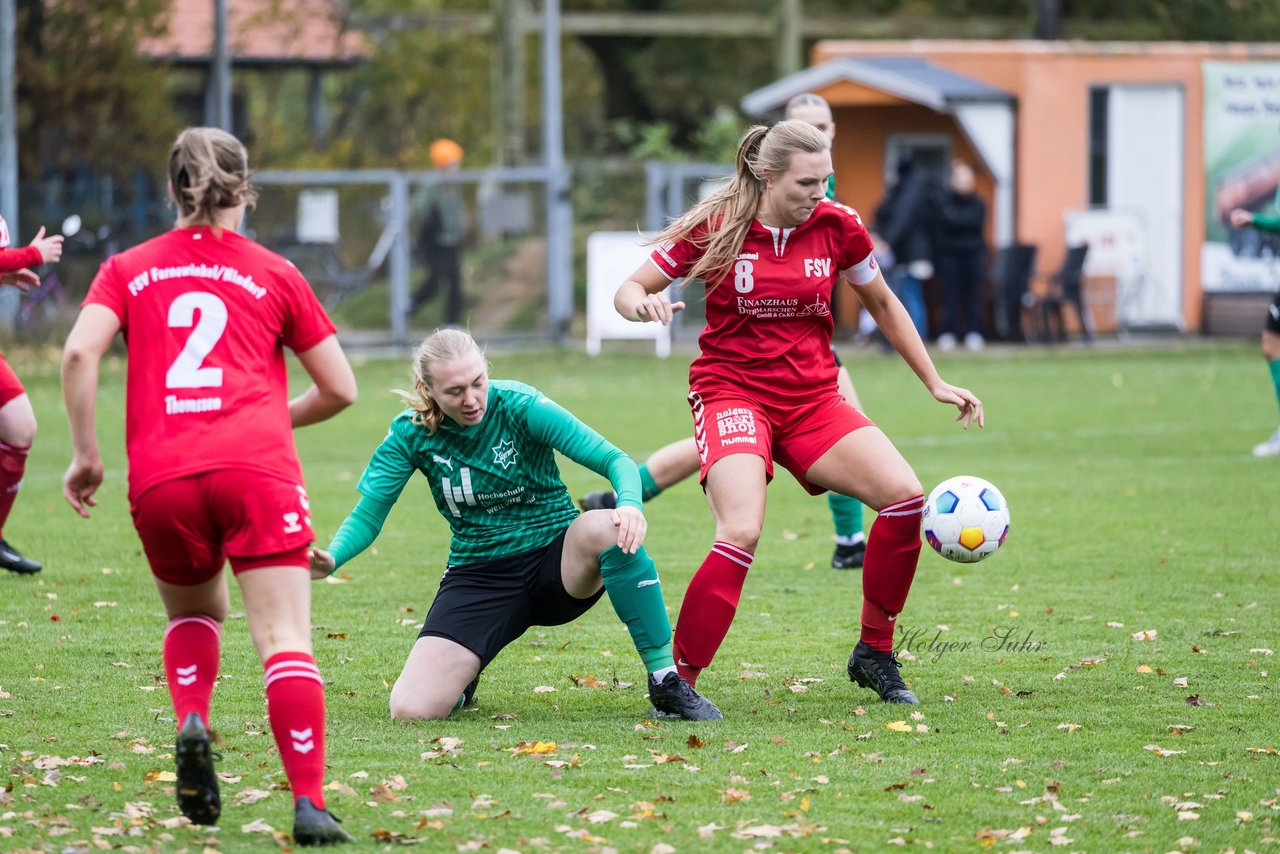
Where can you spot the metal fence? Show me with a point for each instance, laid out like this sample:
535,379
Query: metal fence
358,236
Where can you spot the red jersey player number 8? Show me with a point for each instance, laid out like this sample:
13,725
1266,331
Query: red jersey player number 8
763,388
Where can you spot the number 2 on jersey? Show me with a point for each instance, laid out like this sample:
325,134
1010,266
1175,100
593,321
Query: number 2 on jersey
186,370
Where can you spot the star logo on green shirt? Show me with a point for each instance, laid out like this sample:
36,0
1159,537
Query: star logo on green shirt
505,453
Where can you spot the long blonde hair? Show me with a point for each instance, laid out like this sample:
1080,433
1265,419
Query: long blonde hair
718,224
209,170
443,345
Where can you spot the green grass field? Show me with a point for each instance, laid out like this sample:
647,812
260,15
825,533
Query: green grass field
1137,510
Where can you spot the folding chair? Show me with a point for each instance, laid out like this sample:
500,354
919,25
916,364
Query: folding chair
1066,286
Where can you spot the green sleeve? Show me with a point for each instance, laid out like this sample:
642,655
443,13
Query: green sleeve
1266,223
391,466
552,424
358,531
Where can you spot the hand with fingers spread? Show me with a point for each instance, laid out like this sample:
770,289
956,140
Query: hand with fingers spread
962,399
24,279
631,525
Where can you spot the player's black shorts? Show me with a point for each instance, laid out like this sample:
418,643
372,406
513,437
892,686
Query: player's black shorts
485,606
836,356
1273,315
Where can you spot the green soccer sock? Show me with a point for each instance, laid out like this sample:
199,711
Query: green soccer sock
1275,376
648,486
636,594
846,513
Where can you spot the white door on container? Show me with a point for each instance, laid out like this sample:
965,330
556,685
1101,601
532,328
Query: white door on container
1144,174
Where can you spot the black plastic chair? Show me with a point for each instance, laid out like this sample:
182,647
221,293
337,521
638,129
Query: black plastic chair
1012,273
1066,286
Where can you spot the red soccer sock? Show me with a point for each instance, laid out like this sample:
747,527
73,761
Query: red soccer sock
708,607
192,647
893,549
13,463
295,705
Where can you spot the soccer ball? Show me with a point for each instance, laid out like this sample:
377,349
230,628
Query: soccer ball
965,519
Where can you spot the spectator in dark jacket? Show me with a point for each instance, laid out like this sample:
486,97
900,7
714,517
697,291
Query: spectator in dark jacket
961,252
903,220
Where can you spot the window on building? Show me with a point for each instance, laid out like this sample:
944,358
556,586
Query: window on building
1099,99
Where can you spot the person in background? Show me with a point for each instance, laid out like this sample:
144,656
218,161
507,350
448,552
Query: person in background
771,247
206,315
961,251
444,226
1241,218
521,554
903,219
17,418
673,463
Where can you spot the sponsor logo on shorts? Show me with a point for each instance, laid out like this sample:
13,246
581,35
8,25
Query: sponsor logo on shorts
292,523
736,426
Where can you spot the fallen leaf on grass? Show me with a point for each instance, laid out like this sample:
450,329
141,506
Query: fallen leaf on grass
732,795
1160,751
257,826
898,726
536,747
1180,682
1144,668
1270,750
1069,727
1145,635
544,689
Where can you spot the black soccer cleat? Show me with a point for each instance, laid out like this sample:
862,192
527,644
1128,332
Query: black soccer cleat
15,561
314,826
849,557
197,788
469,693
598,501
879,672
675,698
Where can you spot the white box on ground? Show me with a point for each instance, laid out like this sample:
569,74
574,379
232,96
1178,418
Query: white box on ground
612,256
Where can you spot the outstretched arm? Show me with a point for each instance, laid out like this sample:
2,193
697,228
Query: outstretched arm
552,424
896,325
356,533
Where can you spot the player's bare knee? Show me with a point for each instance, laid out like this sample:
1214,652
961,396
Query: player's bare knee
596,530
410,708
744,536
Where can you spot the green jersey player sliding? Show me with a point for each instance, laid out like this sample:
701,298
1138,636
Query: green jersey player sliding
521,554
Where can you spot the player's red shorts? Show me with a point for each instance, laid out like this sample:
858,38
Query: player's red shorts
190,526
726,423
10,385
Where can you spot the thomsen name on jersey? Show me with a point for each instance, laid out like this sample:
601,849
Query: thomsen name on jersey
216,272
174,405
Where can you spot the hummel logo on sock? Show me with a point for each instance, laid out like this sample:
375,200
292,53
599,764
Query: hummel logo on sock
298,740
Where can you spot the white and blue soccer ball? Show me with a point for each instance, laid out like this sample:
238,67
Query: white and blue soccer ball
965,519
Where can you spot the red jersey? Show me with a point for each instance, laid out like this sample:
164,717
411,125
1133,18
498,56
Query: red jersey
206,319
769,322
16,259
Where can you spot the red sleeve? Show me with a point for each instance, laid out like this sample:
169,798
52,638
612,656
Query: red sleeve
16,259
855,243
306,324
673,260
106,290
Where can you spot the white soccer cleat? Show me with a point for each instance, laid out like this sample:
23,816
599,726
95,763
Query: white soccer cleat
1269,448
